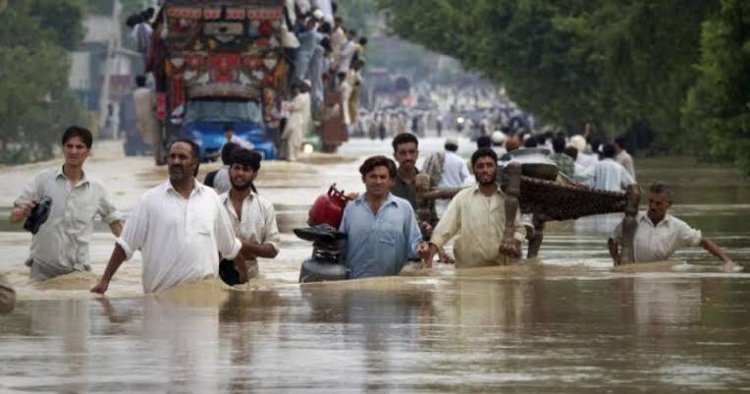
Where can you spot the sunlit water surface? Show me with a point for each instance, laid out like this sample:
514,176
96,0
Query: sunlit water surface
565,323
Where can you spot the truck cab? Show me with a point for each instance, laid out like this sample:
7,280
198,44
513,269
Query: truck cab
205,119
219,62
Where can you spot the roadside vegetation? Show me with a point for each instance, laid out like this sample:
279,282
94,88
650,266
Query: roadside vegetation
681,67
35,103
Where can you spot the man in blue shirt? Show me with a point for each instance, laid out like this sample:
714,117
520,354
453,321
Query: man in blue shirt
382,230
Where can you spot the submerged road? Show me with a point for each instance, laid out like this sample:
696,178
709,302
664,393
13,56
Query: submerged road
566,323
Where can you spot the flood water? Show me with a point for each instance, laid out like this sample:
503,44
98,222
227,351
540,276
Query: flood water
564,323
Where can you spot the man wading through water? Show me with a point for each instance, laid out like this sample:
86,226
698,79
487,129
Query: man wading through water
406,152
61,245
477,217
381,229
253,219
180,227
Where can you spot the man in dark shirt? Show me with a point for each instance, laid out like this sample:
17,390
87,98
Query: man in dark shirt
406,151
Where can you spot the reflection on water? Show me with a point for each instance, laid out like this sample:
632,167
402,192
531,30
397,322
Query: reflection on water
531,332
567,323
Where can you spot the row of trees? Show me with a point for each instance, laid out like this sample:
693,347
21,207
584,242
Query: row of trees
35,103
680,65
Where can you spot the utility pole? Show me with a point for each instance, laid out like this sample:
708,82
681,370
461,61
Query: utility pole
110,63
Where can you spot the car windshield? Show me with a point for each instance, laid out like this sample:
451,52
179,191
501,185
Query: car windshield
223,111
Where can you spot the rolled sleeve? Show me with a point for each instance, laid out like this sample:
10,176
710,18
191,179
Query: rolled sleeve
107,209
134,233
271,229
30,192
226,241
126,247
689,236
233,251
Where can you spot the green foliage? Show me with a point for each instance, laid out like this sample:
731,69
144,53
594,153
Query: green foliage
34,102
717,111
613,62
58,20
100,7
355,14
62,19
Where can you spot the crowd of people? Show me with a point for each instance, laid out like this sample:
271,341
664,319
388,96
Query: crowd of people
181,227
475,219
187,230
323,56
472,110
594,163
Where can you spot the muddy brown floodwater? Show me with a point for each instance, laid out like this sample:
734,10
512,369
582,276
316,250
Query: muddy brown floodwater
566,322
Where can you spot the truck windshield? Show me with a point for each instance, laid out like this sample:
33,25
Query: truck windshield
223,111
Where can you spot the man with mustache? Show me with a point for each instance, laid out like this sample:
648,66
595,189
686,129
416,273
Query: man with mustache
382,232
476,216
253,218
660,234
179,226
406,152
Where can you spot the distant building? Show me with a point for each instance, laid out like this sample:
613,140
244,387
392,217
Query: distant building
90,66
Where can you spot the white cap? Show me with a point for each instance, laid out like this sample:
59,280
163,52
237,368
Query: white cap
318,14
577,141
498,137
451,141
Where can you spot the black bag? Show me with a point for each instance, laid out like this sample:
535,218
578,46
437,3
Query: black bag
209,179
228,273
39,215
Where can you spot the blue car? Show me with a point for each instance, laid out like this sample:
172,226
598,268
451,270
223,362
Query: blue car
205,120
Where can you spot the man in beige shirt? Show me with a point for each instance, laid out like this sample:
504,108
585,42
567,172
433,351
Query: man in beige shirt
62,244
476,216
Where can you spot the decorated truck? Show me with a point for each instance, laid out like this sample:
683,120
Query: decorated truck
218,64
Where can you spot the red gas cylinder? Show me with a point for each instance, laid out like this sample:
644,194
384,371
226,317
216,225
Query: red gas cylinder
328,208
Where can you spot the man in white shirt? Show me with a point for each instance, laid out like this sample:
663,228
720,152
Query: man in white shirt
610,175
346,93
61,245
452,171
660,234
584,159
455,171
179,226
623,157
298,122
253,219
338,38
232,137
347,51
145,110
